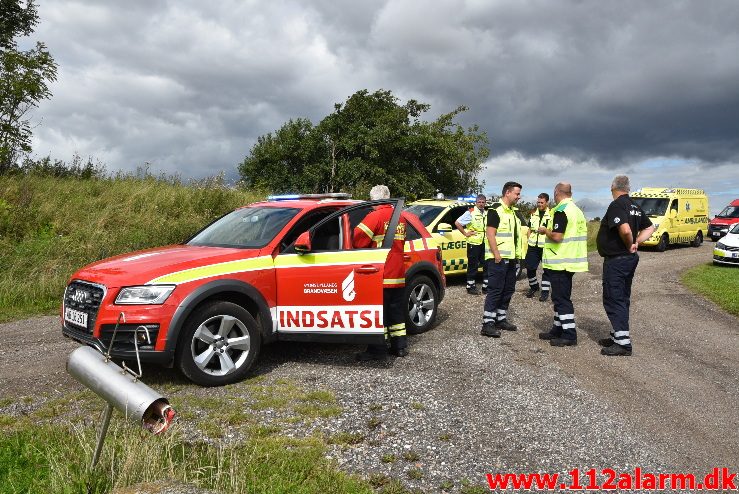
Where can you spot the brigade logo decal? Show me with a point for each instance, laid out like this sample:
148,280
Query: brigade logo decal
617,220
347,287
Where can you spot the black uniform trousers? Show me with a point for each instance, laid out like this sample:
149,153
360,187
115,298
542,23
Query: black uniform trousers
475,259
393,320
501,285
618,273
564,311
533,258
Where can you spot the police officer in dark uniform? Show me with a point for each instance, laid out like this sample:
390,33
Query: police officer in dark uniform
622,228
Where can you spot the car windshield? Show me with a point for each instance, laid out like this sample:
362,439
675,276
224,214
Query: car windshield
729,212
245,228
735,228
425,213
652,206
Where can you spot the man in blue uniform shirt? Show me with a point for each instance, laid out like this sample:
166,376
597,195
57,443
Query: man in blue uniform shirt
622,228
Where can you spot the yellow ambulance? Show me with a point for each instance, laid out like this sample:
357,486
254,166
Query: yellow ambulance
679,215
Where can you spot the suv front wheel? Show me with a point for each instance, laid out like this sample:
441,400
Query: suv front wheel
219,344
422,302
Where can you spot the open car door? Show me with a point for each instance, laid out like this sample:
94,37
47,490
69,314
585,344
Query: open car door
326,289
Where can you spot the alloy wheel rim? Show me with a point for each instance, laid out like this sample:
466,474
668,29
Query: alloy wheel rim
220,345
421,305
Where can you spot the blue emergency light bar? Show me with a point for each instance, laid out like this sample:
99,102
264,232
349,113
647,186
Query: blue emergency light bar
284,197
467,198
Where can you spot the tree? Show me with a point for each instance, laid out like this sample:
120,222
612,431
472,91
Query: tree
24,79
368,140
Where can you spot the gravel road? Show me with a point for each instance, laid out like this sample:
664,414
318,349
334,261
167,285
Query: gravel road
462,405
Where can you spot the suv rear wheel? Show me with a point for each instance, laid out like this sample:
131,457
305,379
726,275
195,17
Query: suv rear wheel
422,301
219,344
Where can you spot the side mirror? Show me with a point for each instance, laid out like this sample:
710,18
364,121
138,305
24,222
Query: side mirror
302,244
444,228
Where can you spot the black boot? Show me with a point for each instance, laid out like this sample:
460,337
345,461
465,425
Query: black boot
505,325
399,346
489,329
544,296
562,342
532,291
615,350
549,335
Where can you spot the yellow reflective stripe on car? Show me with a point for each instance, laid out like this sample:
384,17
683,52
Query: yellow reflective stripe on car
393,281
230,267
334,258
366,229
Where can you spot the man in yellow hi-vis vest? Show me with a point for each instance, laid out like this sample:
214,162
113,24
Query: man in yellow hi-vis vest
540,217
503,248
472,225
565,253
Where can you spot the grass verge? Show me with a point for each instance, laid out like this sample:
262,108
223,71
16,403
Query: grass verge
55,459
719,284
49,227
40,452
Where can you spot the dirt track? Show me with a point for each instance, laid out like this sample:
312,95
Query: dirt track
682,382
678,391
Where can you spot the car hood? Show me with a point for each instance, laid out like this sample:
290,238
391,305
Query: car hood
145,266
730,240
723,221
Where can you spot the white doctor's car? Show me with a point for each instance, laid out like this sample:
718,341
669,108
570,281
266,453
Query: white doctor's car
726,250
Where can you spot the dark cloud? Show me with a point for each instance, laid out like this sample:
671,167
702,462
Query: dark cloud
188,86
613,81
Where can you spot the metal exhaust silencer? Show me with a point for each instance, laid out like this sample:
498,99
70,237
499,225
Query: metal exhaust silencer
120,389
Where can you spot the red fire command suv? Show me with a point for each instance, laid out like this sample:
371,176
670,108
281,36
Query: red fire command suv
719,225
208,305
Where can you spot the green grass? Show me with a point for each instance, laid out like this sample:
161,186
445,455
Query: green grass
54,459
41,453
717,283
49,227
593,227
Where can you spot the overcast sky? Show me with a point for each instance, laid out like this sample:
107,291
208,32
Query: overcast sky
575,91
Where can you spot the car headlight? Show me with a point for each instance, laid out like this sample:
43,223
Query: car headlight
144,295
721,246
724,230
656,226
